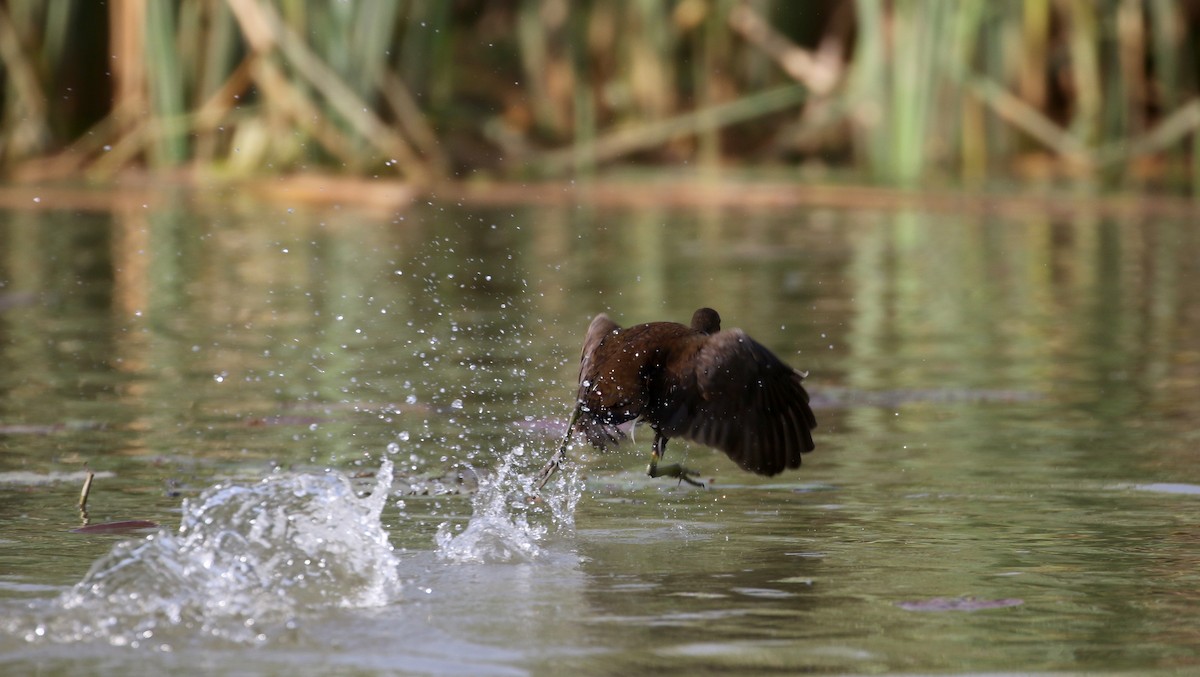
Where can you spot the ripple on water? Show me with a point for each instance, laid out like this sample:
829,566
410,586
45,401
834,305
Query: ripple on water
245,561
1167,488
765,593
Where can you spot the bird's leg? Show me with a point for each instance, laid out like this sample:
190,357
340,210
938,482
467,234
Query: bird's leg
561,455
673,470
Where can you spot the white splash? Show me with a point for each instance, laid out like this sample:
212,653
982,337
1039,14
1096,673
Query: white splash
245,560
504,520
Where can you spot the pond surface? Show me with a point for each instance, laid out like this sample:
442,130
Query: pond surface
335,417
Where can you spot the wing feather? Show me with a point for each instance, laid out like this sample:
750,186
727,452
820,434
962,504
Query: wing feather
752,406
599,430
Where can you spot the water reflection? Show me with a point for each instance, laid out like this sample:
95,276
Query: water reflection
1004,400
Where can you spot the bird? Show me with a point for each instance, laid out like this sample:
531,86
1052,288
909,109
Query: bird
719,388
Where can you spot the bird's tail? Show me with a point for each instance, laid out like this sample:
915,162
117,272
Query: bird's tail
599,432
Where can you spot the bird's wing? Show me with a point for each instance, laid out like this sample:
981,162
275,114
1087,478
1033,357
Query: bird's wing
752,406
600,432
600,327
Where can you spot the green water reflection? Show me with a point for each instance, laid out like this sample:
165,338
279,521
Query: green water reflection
997,398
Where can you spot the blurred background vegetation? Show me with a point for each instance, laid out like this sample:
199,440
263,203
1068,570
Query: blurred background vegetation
903,91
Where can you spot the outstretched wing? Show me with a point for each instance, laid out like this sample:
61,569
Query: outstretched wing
600,327
600,431
752,406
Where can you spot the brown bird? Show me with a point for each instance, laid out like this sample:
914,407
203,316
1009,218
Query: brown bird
719,388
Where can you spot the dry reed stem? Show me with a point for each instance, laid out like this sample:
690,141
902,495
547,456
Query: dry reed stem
821,72
625,141
267,33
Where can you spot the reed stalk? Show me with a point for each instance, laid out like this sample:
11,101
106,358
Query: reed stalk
905,91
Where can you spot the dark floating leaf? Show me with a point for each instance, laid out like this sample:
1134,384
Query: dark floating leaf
116,527
958,604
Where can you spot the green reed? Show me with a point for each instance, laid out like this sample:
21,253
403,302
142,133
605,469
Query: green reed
905,91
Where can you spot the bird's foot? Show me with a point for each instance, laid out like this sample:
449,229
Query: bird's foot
677,471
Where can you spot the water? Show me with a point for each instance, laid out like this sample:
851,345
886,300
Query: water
244,558
500,529
335,418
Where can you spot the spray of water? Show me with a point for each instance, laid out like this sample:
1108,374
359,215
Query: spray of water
508,519
244,564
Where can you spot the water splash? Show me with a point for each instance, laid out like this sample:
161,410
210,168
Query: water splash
244,563
506,525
